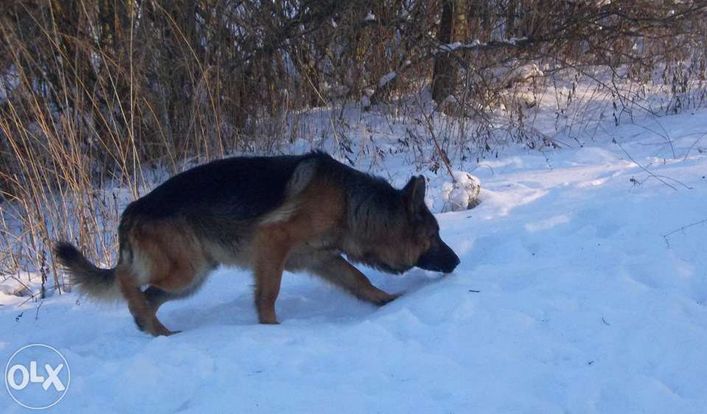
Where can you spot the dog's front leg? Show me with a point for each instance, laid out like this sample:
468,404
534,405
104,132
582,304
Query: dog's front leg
337,270
271,247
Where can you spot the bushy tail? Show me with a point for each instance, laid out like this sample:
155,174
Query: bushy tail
97,283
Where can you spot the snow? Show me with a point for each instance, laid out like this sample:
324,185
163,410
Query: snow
582,288
460,194
477,44
385,79
450,47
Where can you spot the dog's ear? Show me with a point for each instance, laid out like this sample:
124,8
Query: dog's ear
414,193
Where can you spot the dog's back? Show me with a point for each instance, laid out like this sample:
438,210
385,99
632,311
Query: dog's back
240,188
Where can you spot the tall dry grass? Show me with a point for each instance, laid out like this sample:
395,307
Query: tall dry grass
98,98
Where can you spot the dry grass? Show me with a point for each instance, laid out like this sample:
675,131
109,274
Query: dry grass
94,96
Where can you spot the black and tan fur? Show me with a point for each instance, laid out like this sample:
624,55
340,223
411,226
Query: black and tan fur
269,214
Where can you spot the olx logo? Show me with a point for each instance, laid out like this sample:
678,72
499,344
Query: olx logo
37,376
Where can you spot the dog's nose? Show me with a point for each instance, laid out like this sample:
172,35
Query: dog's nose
440,259
452,263
456,263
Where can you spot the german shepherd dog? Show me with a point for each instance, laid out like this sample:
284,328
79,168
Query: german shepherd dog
306,212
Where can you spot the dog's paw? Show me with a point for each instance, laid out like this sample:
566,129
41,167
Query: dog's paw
380,297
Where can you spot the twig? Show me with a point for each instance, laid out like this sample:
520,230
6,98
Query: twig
685,227
693,146
660,178
665,135
442,154
36,314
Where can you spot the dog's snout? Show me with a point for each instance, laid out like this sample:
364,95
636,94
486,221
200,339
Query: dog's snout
440,258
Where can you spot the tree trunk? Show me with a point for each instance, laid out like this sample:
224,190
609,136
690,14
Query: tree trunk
452,27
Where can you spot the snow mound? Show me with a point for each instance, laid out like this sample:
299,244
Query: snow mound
462,193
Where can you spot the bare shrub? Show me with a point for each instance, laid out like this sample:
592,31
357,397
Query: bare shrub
98,99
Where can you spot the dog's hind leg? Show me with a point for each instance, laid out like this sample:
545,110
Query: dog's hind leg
340,272
139,306
271,248
156,297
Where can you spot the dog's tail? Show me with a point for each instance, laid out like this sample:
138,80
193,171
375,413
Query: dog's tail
97,283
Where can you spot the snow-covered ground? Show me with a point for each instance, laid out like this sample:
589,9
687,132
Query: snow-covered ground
582,288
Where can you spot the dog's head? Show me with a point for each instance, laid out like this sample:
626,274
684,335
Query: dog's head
408,236
432,253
